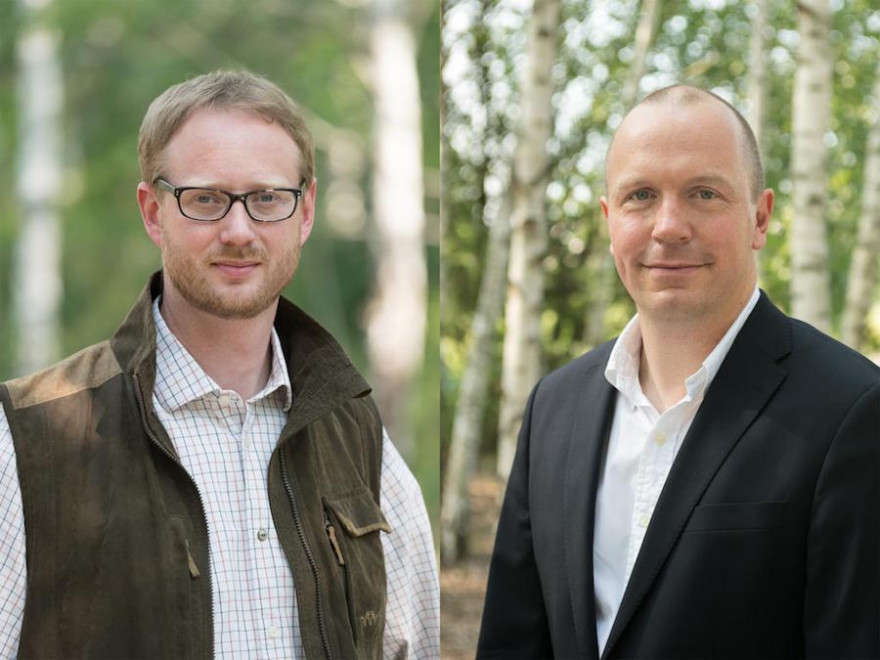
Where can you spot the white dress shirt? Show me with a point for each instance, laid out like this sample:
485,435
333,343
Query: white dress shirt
641,448
225,444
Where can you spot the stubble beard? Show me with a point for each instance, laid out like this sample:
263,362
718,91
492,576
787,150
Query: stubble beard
192,279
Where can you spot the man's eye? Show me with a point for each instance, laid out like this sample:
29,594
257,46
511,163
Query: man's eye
706,194
266,197
640,196
205,198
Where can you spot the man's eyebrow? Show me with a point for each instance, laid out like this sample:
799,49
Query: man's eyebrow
626,184
711,179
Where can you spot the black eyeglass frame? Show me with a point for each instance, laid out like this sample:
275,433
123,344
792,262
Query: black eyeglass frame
233,198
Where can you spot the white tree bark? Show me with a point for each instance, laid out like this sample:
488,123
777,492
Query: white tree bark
603,287
37,276
470,407
444,155
862,280
395,316
757,95
525,277
644,37
758,71
810,281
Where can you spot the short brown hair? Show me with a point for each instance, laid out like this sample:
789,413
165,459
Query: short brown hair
220,90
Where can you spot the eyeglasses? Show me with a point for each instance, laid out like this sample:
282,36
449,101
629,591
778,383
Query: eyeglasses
211,205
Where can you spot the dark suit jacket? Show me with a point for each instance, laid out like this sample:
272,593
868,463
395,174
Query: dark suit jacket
764,542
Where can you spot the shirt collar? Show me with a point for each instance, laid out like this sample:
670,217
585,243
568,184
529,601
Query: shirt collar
180,380
622,370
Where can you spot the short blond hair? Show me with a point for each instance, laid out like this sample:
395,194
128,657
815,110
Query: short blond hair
220,90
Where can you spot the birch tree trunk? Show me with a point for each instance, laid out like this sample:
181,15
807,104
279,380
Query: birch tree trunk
646,31
37,275
862,280
396,314
810,281
757,71
444,158
470,407
525,277
757,95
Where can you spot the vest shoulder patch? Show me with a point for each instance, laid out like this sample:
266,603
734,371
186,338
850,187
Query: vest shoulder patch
90,367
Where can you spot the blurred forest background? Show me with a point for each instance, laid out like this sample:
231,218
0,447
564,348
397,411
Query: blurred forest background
532,92
76,77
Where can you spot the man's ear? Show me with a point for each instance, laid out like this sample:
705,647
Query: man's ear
309,196
763,210
148,203
603,202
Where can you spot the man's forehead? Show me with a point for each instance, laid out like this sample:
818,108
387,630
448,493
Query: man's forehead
693,126
209,128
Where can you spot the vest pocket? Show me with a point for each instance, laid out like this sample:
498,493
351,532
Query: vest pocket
352,522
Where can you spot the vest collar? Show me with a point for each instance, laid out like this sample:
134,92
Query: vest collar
321,374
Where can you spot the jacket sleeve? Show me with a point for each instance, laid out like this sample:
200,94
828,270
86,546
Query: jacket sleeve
842,598
514,621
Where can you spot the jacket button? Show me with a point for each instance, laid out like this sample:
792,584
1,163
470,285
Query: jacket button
262,535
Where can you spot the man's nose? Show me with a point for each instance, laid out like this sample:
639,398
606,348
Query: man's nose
238,227
671,224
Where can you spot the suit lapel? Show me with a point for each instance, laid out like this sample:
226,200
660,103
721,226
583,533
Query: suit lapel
747,379
591,423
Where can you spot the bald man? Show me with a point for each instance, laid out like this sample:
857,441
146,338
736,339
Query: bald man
708,484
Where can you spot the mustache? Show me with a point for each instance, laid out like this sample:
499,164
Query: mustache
238,254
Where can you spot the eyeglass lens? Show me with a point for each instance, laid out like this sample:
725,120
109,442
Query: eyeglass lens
263,205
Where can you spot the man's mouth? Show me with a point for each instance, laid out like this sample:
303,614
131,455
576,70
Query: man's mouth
236,268
664,264
673,267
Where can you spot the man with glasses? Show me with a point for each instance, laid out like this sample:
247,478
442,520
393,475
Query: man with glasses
215,478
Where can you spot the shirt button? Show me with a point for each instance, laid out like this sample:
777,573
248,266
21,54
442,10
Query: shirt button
660,439
644,520
262,535
273,631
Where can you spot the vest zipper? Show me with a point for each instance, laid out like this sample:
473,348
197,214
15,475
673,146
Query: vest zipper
139,396
297,521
